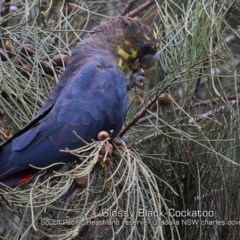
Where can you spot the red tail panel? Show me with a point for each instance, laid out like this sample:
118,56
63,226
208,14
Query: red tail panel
24,179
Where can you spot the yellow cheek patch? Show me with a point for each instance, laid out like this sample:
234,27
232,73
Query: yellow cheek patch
155,35
120,62
123,53
126,42
133,53
125,68
147,37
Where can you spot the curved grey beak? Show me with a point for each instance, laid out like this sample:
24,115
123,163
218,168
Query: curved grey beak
148,60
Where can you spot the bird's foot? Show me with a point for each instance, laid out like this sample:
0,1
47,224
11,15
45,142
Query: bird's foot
137,78
106,151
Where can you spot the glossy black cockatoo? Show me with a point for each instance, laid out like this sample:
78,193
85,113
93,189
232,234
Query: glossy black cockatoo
90,97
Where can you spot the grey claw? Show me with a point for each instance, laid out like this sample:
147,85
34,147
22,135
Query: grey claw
137,78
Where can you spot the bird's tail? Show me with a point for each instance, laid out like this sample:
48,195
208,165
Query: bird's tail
10,174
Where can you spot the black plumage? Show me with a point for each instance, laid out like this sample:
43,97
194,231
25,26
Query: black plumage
90,97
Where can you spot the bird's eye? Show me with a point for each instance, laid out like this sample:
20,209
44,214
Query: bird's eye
147,46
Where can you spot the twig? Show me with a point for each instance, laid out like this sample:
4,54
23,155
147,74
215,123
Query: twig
208,114
201,103
5,12
21,58
139,9
195,105
144,111
128,8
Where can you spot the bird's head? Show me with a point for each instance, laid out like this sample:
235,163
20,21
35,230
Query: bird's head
128,39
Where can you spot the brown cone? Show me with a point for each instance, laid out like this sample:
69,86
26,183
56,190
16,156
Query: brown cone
81,182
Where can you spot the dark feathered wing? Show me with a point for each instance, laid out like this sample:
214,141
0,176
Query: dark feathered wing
94,99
